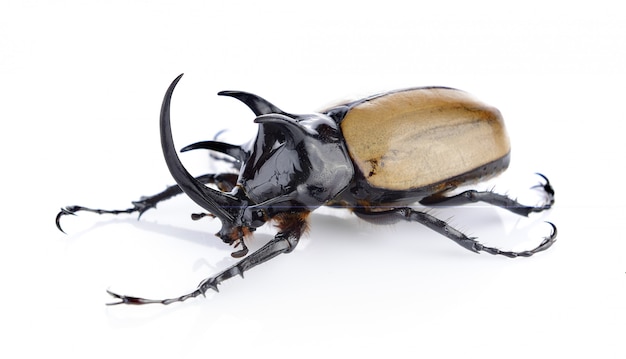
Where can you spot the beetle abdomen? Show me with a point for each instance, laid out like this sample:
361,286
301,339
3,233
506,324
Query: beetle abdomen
419,137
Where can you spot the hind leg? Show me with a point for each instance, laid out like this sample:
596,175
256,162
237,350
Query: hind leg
443,228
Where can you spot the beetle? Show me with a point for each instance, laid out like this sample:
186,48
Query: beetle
375,156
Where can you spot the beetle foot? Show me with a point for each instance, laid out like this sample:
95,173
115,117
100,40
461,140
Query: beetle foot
203,287
545,244
72,210
547,187
549,190
140,206
69,210
125,299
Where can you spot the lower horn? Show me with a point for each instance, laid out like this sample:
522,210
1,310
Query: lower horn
211,200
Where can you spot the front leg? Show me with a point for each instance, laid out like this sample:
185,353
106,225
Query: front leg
225,182
283,242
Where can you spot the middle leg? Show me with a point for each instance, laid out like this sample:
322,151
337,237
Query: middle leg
495,199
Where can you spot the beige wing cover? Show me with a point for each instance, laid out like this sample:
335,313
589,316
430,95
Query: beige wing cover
414,138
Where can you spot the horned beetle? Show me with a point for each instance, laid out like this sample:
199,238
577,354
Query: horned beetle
375,156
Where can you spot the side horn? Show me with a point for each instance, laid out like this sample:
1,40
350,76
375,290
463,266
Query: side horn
232,150
257,104
216,202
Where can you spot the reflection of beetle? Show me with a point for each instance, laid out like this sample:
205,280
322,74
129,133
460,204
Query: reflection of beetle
374,156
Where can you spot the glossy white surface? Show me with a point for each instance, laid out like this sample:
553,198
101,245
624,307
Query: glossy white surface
81,88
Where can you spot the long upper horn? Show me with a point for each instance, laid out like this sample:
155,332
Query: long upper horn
213,201
257,104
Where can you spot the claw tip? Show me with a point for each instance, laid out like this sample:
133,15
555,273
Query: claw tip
58,220
554,230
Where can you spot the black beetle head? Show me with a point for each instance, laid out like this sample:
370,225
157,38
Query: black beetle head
295,164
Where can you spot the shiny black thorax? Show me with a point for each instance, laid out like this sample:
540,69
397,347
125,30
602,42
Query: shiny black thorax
296,163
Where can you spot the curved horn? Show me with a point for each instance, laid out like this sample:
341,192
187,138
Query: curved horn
209,199
288,123
257,104
226,148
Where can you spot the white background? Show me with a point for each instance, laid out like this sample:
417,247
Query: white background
81,84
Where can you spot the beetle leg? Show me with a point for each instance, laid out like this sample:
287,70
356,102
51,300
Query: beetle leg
443,228
495,199
224,181
283,242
